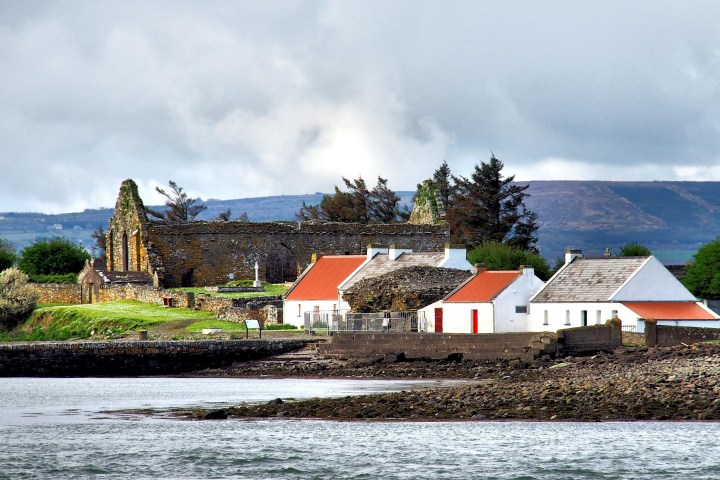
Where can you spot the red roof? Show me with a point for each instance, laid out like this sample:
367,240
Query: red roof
670,310
320,282
483,287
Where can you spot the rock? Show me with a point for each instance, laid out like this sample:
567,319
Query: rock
559,365
220,414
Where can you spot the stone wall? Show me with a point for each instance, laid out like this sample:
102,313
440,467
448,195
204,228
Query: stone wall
667,335
132,358
212,253
591,339
57,292
491,346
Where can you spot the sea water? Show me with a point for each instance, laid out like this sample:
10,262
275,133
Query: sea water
60,428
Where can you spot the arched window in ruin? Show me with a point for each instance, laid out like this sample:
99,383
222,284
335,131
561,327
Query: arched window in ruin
110,254
124,248
282,266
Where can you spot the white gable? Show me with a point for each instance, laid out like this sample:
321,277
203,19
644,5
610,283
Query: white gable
653,282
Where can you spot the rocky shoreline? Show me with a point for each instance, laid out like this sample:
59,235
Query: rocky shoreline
632,383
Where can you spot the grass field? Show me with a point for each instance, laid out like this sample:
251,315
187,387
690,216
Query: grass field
269,289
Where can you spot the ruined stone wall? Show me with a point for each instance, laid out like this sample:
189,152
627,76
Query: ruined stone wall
211,253
132,358
127,232
57,292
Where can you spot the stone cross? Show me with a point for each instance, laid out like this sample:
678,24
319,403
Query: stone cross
257,283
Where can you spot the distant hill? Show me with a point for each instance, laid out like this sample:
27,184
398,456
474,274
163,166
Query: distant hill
672,218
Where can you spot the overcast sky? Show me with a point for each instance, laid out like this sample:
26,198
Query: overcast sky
236,99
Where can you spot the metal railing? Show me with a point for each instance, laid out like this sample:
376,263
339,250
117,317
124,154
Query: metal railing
629,328
337,321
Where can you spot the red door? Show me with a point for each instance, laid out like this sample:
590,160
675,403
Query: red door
438,320
474,321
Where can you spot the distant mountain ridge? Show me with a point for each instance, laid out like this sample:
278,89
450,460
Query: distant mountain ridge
672,218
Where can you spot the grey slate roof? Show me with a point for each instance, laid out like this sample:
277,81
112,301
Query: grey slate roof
381,265
589,280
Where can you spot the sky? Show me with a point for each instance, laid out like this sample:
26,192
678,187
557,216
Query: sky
236,99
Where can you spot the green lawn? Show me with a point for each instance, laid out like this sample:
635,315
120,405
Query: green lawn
107,319
270,289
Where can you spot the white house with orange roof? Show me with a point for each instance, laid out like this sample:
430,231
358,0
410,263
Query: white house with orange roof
316,290
590,291
487,302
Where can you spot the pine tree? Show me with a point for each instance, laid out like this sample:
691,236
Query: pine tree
182,207
488,207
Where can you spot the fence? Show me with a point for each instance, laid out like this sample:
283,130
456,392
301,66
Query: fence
339,321
629,328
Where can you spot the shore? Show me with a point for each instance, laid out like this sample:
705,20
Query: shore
632,383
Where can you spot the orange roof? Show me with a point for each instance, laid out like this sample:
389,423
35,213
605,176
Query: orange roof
670,310
320,282
483,287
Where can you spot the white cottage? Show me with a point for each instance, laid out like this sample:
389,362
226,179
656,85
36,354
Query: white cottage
488,302
316,290
590,291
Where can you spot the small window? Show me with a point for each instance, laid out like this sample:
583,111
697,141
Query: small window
598,317
567,317
545,319
299,312
521,309
614,314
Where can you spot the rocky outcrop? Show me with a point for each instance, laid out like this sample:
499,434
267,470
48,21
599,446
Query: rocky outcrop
408,288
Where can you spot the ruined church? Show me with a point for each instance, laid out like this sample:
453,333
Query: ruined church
200,253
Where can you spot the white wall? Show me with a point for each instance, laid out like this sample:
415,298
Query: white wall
517,294
290,309
557,314
653,282
457,317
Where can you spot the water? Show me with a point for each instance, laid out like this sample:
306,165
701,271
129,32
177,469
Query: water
51,428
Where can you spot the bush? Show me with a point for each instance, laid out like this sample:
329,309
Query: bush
499,256
281,326
634,249
67,278
7,255
52,257
17,298
703,272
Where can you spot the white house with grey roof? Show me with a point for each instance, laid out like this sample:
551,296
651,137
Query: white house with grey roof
590,291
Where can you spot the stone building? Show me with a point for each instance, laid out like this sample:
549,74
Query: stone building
202,253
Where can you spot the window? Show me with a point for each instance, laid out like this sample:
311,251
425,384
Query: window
583,318
299,308
614,314
521,309
598,317
567,317
545,318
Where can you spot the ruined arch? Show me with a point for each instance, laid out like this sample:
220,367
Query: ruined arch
281,265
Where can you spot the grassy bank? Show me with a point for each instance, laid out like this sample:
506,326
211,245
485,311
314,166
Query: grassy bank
268,289
107,320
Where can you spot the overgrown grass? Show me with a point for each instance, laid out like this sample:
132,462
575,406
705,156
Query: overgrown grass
107,319
269,289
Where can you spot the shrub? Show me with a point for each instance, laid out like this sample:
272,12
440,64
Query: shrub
703,272
17,298
499,256
67,278
7,255
52,257
281,326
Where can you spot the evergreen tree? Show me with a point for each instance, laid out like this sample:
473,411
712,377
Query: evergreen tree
441,180
357,204
488,207
500,256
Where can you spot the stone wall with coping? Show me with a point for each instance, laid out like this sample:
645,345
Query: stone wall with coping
667,335
590,339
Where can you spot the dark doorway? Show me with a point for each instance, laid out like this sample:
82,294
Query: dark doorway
124,247
281,265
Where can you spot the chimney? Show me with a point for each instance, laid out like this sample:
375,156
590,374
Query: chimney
571,254
478,268
455,257
607,253
527,271
313,258
373,250
394,252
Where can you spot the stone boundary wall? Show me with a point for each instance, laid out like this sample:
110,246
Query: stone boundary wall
57,292
491,346
137,358
668,335
591,339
